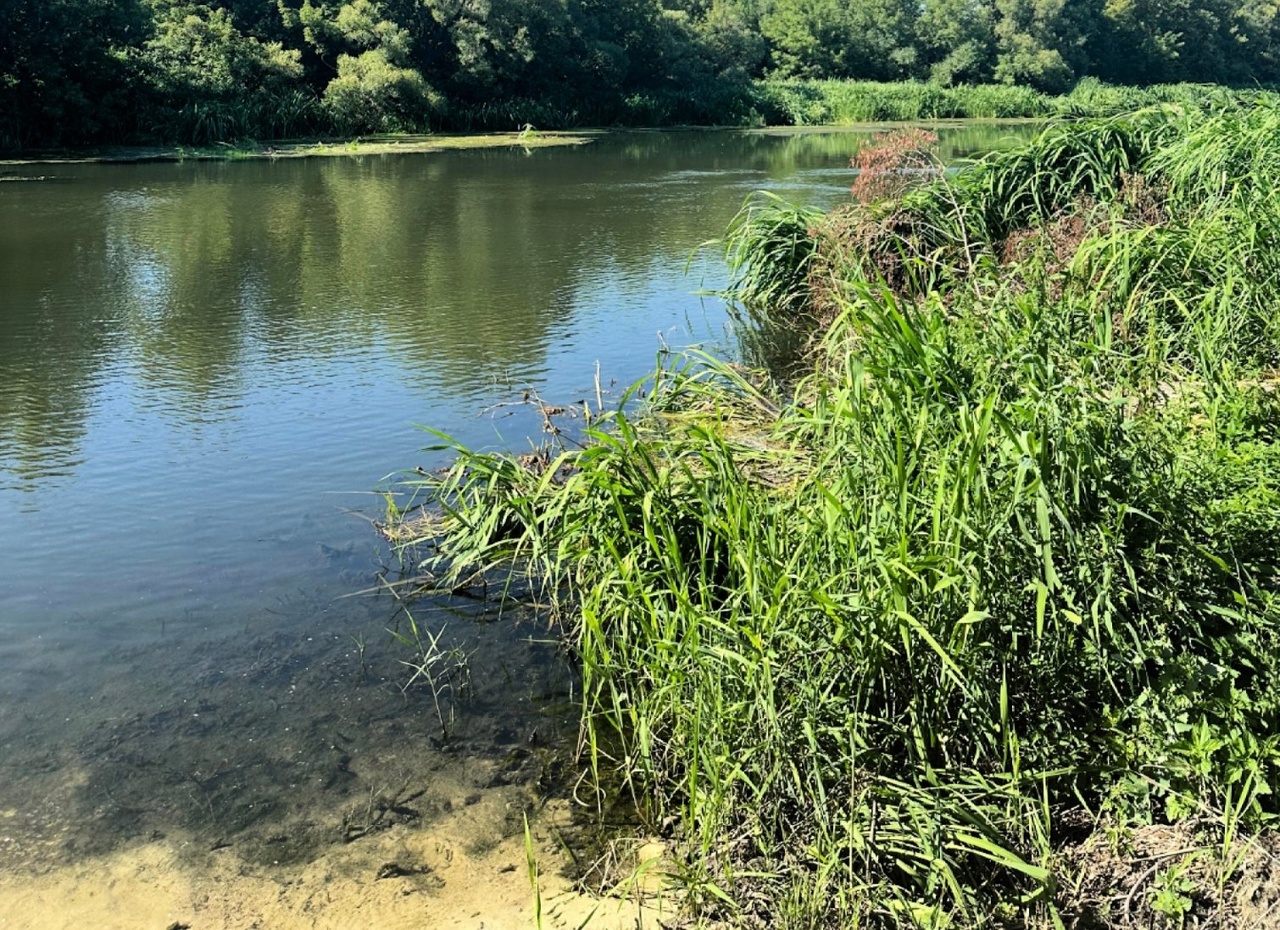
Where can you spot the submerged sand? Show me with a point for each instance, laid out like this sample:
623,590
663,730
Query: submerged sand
442,876
292,775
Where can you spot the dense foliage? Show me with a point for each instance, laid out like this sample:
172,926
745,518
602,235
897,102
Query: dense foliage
79,71
998,571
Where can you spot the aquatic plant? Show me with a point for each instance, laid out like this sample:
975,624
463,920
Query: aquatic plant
898,643
446,672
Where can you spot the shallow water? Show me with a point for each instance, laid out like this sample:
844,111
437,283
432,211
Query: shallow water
207,370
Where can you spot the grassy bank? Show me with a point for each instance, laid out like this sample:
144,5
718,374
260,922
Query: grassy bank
532,122
973,619
812,103
827,102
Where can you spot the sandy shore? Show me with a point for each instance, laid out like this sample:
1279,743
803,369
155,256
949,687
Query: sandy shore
402,878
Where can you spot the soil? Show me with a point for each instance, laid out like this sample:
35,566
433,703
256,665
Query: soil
1161,876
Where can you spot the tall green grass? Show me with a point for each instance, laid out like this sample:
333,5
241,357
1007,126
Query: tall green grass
877,648
769,102
828,102
815,102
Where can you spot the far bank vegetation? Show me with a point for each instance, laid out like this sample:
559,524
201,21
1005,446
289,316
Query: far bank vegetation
90,72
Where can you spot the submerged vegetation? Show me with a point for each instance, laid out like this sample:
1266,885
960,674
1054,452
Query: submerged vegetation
968,614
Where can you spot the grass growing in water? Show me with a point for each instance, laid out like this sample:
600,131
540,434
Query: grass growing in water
990,589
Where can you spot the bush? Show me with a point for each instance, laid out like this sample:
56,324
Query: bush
370,94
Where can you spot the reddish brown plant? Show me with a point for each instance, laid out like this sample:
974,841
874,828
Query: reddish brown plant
893,161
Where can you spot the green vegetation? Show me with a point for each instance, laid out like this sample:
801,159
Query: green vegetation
77,72
973,620
815,103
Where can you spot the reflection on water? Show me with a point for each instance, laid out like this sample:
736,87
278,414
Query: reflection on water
188,287
205,367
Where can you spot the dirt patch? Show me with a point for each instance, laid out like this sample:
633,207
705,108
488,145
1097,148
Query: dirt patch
1162,876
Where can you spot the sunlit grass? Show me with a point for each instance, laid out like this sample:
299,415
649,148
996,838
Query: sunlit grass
998,563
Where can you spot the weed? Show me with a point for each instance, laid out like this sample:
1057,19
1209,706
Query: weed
893,162
1171,897
446,672
531,863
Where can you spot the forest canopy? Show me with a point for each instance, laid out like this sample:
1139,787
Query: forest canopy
91,71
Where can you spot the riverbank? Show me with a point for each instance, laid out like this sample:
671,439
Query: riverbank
287,342
966,612
762,104
427,144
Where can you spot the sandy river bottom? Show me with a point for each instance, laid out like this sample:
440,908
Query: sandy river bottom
284,777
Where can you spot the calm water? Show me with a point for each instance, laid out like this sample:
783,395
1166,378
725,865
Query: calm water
205,372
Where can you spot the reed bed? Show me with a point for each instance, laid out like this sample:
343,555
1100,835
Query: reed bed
833,102
925,634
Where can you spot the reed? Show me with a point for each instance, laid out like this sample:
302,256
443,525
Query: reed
833,102
883,645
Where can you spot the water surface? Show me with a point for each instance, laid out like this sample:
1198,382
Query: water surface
206,372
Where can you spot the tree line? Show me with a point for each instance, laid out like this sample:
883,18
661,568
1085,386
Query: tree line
91,71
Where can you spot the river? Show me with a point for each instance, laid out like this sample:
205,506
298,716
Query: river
208,373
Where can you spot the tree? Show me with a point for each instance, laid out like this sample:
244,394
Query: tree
65,72
1141,40
370,94
808,38
731,42
1043,43
1256,29
836,38
209,81
957,40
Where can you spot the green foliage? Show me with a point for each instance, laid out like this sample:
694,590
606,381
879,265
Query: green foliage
64,71
1010,547
813,103
810,103
1042,42
211,82
372,95
771,252
358,26
186,71
729,41
828,38
956,39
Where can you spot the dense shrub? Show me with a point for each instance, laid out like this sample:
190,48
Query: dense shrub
372,95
